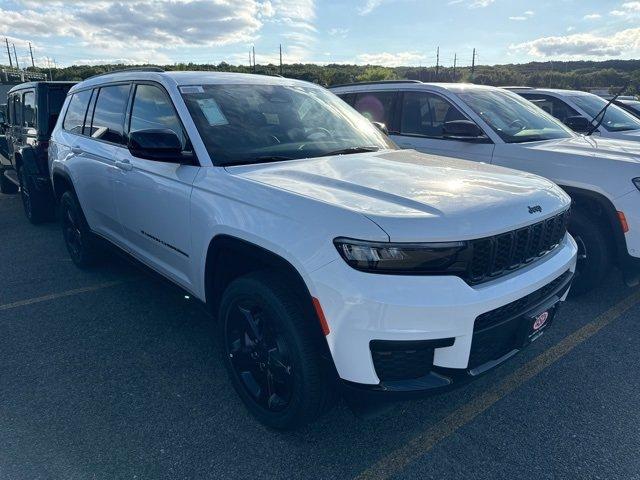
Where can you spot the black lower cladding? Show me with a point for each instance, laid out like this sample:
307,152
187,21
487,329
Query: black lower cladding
405,360
497,332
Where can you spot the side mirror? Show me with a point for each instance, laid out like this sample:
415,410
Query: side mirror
382,127
463,130
578,123
156,144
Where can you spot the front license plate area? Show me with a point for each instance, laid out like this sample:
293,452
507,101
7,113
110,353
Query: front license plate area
536,323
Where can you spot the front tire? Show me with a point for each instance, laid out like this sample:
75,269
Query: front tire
81,243
273,351
594,252
38,207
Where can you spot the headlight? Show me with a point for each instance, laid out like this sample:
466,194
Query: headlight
404,258
636,182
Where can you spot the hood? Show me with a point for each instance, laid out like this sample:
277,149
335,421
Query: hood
631,135
596,147
416,197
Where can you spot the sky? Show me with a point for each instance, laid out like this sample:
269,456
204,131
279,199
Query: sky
381,32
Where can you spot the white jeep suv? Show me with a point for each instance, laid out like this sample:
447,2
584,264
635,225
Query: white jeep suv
495,126
578,110
327,255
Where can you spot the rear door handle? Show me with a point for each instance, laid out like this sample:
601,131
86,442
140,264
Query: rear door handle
124,164
77,150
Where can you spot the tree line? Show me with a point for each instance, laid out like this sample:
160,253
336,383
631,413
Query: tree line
581,75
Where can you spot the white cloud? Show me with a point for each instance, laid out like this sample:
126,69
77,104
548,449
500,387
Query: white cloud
155,28
629,10
391,59
592,16
519,18
472,3
529,13
369,6
338,32
570,28
582,45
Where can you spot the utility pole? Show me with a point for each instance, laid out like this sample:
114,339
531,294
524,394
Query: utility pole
437,62
473,62
455,58
254,58
8,52
249,58
15,55
31,52
280,59
49,65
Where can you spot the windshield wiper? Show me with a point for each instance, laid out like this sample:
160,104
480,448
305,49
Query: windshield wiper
349,150
604,111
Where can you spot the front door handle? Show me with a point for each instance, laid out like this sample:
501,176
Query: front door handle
77,150
124,164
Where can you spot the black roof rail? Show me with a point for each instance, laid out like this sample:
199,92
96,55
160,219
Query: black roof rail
516,87
132,69
377,82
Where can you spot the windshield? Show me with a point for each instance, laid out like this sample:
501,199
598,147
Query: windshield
513,118
253,123
633,105
615,118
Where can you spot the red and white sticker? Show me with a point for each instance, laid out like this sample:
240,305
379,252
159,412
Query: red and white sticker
540,321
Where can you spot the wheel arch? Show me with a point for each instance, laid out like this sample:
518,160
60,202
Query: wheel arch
61,183
229,257
595,204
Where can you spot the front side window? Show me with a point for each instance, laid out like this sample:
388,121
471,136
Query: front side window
552,105
29,109
376,106
424,114
243,123
152,109
76,111
16,110
513,118
615,118
108,116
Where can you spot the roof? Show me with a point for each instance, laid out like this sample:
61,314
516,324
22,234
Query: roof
188,78
454,87
559,91
25,85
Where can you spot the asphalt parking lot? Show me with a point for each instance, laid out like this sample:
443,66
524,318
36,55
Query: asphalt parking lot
113,374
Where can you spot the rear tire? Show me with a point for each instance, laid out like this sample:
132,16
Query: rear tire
38,207
273,351
6,185
594,252
81,243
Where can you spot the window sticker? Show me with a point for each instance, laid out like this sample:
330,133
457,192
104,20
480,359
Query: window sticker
212,112
191,89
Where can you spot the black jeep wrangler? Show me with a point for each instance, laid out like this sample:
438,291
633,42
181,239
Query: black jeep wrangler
32,112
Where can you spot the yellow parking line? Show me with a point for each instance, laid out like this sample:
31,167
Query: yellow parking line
53,296
419,445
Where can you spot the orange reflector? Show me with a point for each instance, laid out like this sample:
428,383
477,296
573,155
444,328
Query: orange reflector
321,317
623,222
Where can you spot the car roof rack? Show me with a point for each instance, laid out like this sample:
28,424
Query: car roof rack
516,87
377,82
132,69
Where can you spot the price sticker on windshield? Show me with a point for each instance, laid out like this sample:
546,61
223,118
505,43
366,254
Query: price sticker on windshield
212,112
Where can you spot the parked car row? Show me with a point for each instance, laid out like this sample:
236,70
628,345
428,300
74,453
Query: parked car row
332,256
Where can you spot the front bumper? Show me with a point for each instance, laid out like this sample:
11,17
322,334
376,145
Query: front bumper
362,308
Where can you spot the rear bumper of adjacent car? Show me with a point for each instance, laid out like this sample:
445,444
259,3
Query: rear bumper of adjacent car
414,334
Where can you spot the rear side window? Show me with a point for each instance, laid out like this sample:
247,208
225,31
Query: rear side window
376,106
152,109
348,97
29,109
74,119
425,114
552,105
108,116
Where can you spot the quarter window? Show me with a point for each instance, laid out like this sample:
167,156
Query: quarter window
425,114
29,109
108,116
74,118
152,109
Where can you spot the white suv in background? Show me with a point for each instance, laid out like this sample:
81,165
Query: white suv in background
497,126
578,110
325,253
